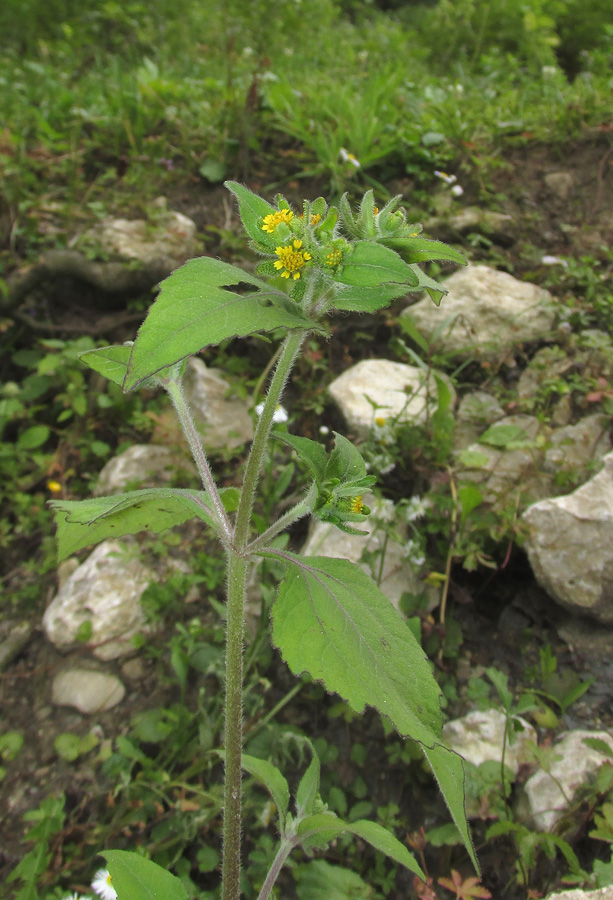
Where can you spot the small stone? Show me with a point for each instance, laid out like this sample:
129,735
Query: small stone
88,691
133,669
575,765
142,465
560,184
605,893
104,591
478,737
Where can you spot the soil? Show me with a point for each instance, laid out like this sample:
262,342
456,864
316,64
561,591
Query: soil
504,617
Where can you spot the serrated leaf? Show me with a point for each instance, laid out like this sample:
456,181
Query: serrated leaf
371,264
420,249
84,522
195,309
137,878
332,621
252,209
271,777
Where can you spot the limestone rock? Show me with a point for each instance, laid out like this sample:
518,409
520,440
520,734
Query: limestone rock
605,893
560,184
570,546
574,766
399,392
88,691
573,447
488,313
105,591
478,737
164,242
142,465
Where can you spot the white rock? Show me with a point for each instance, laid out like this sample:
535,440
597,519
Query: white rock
165,242
576,764
86,690
222,418
488,312
573,447
570,546
401,393
142,465
605,893
105,591
478,737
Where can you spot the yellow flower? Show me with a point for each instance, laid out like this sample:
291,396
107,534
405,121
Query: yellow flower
334,257
315,218
54,486
291,259
380,421
356,505
271,221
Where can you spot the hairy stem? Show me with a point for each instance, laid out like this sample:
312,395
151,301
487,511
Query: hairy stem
177,396
285,848
289,351
233,732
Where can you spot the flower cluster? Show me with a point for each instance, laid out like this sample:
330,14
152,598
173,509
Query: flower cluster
456,189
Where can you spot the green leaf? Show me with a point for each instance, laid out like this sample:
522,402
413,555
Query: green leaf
112,362
332,621
136,878
381,839
502,435
346,462
195,309
312,453
420,249
371,264
318,829
470,497
252,210
84,522
319,880
272,778
308,788
369,299
33,438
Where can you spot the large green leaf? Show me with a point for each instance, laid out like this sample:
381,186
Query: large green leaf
372,264
312,453
332,621
84,522
137,878
112,362
196,309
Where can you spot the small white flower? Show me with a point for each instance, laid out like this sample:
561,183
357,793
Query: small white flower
279,415
549,71
323,429
457,190
554,261
416,508
349,158
448,179
102,885
459,88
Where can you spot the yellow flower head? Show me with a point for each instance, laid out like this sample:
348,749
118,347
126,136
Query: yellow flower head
271,221
291,259
334,257
54,486
356,505
315,218
380,421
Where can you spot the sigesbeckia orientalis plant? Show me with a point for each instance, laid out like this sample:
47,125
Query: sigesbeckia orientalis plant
329,619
